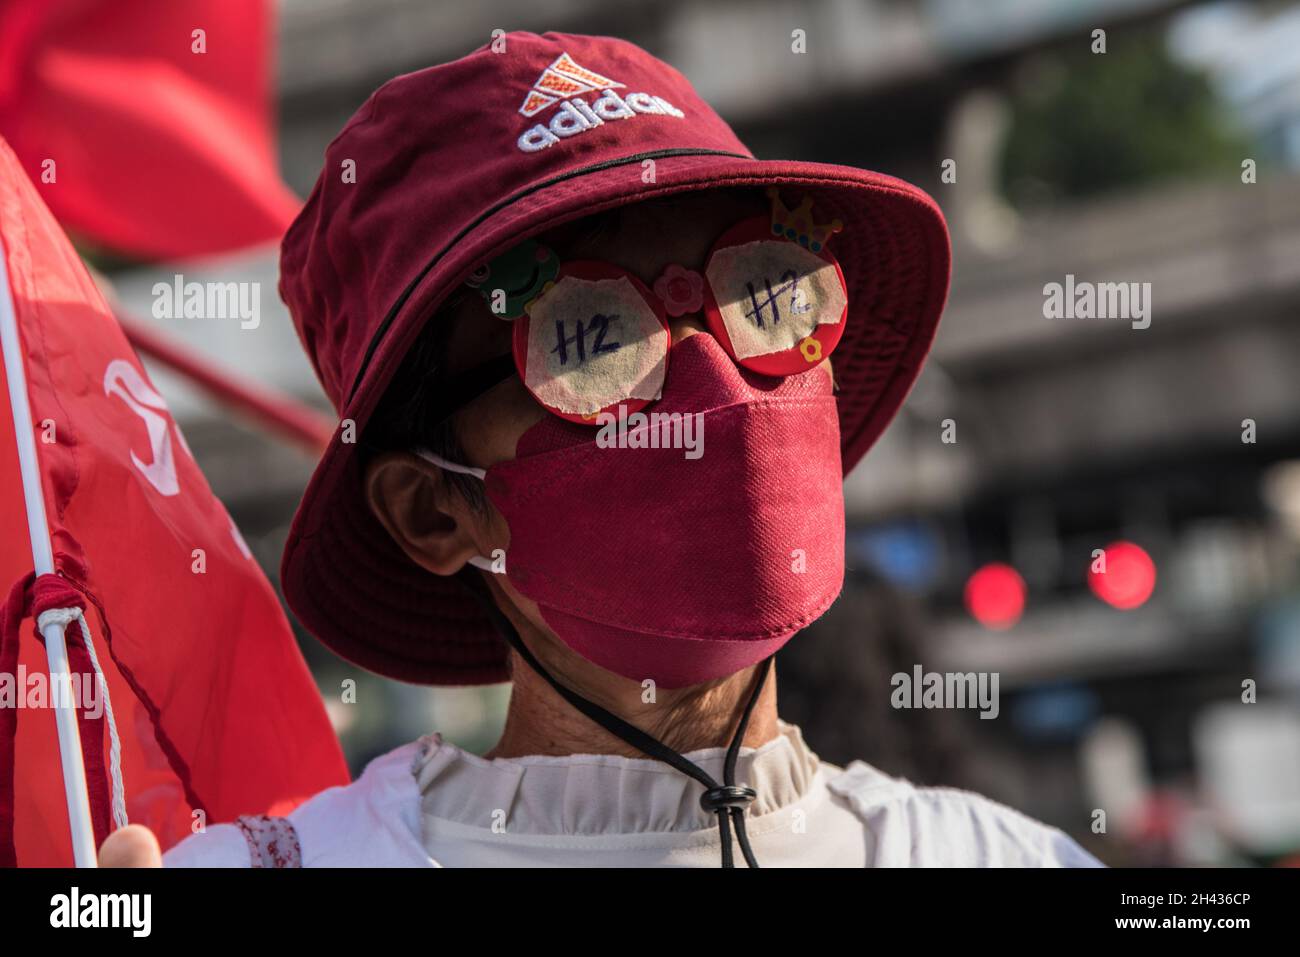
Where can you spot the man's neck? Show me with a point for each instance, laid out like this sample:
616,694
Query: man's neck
540,722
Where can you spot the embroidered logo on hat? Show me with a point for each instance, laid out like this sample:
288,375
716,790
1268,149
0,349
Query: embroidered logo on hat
565,79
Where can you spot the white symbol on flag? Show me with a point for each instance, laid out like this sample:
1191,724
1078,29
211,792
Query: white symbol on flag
122,379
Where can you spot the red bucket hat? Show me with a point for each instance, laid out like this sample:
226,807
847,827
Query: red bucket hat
443,169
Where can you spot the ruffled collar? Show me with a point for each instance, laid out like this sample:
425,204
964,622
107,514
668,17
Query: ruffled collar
601,793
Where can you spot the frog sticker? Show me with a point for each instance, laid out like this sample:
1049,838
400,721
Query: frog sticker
515,278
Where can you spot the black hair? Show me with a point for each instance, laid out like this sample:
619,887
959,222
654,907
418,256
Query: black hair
405,418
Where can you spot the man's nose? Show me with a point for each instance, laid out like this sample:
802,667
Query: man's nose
682,326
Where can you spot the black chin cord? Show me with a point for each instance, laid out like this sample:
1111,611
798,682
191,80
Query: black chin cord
727,800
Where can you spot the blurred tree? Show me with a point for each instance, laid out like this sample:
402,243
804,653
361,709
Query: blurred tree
1085,123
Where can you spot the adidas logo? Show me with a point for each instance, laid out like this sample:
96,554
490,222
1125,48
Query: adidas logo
563,80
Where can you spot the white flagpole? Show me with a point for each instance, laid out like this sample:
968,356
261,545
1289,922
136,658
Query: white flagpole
56,649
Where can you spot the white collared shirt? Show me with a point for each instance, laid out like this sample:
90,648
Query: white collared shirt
431,804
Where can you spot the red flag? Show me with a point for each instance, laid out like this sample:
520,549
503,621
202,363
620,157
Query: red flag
146,124
214,706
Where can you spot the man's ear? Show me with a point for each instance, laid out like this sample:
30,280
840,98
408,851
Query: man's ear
427,518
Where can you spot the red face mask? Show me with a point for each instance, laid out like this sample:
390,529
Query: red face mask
653,564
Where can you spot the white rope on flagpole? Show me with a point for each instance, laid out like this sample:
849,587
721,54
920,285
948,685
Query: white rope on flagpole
56,650
65,617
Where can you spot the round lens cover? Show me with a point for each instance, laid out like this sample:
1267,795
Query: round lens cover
777,306
594,340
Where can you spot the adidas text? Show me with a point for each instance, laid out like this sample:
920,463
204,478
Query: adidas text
574,116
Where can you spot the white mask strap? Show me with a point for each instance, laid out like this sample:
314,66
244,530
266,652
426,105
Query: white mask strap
442,463
478,561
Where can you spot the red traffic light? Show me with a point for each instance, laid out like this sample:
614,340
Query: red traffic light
995,596
1129,576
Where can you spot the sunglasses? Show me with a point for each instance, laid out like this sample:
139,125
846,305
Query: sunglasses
590,336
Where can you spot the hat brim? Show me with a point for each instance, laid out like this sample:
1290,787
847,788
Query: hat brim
350,584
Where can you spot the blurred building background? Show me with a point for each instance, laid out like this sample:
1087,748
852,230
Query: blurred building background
1181,440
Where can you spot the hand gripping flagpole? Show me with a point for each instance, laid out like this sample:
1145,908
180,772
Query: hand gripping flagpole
56,649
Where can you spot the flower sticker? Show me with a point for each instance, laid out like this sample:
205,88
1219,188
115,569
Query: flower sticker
811,349
681,290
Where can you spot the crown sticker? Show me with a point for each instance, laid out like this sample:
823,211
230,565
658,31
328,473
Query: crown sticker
798,226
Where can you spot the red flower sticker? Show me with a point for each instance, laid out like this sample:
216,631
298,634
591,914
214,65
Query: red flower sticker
681,290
